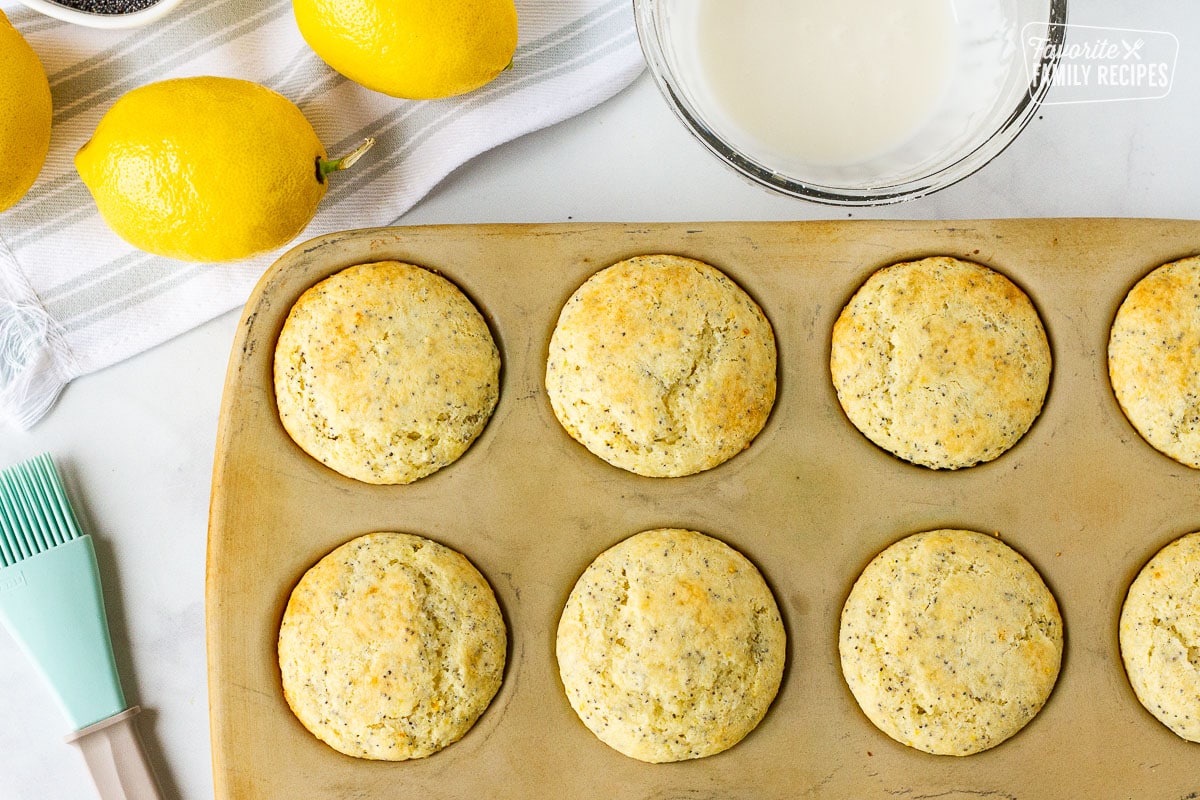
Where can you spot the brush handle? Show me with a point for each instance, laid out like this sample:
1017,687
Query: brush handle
115,757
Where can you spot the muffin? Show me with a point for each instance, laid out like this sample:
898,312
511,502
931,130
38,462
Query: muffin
391,647
662,366
670,646
1160,636
941,362
950,642
1154,359
385,372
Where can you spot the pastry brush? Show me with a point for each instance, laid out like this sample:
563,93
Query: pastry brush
51,602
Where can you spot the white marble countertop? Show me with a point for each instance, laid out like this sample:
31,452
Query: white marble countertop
135,441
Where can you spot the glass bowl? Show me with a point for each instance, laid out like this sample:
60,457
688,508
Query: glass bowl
1000,58
119,21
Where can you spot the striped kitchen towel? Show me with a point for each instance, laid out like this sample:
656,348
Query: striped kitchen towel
74,298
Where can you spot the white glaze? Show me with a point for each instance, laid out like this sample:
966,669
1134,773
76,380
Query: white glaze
826,81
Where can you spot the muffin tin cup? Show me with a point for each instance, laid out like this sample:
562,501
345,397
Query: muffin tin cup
810,502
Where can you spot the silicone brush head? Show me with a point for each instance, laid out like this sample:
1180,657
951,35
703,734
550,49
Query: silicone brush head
35,514
50,596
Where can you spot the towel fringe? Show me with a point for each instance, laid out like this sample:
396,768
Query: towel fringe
36,362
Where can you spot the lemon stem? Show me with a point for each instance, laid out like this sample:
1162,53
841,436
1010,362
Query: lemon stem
326,166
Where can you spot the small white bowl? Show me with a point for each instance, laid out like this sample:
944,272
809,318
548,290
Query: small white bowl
106,21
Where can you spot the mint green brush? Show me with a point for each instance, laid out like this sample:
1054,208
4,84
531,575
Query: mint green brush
50,600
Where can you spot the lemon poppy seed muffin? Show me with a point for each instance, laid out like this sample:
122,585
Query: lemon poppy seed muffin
1160,636
950,642
662,366
1154,359
391,647
941,362
670,646
385,372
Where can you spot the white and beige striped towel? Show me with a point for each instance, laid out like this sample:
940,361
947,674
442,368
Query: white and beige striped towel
74,298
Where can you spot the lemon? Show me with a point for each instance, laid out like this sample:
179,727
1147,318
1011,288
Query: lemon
206,169
416,49
24,115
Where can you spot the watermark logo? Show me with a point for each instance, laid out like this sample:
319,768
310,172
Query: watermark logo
9,583
1098,65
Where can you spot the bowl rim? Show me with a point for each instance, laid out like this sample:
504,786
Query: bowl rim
965,165
104,21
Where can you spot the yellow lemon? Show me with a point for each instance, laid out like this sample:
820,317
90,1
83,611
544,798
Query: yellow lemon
24,115
416,49
206,169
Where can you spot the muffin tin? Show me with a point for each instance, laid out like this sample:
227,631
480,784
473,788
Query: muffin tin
1082,496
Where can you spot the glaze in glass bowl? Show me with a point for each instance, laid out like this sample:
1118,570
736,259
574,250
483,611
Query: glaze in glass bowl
996,86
